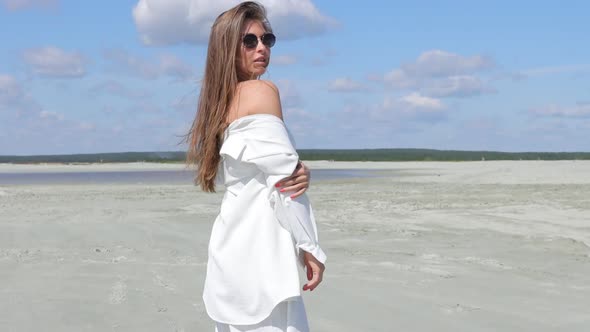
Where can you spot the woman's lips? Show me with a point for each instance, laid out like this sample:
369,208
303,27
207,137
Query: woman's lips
261,61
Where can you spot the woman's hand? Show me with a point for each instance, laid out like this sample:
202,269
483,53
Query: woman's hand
297,182
315,271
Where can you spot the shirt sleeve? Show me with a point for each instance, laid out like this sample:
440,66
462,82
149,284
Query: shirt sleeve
296,216
267,145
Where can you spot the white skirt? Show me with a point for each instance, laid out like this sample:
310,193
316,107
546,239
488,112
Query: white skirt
287,316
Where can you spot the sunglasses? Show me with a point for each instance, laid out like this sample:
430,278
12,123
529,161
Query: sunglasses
250,40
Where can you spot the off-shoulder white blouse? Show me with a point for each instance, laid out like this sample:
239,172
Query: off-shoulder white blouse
258,235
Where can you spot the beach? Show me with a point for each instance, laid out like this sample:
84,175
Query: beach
415,246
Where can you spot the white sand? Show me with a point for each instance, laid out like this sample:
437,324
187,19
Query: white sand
469,246
88,167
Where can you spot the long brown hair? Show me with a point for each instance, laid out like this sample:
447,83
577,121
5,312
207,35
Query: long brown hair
218,88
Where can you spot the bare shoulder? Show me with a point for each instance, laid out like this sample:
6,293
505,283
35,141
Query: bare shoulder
259,97
258,86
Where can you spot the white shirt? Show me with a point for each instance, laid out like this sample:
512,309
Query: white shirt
259,233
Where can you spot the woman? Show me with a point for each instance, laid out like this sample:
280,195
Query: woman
262,231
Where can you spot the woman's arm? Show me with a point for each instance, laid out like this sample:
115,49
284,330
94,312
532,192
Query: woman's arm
271,150
296,216
262,97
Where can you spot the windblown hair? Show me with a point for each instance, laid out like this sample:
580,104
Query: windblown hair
218,87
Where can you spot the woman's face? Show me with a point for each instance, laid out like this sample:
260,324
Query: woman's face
253,61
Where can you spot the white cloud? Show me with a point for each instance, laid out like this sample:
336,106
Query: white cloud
442,74
283,59
399,113
416,101
345,84
580,110
360,125
54,62
456,86
554,70
174,67
437,63
165,22
51,115
122,131
122,62
571,70
27,4
168,65
86,126
294,19
412,107
14,98
115,88
400,79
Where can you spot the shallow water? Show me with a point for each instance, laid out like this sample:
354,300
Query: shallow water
148,177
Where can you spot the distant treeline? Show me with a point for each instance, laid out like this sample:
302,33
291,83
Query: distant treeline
434,155
308,154
115,157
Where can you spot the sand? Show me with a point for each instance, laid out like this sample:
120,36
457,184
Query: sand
466,246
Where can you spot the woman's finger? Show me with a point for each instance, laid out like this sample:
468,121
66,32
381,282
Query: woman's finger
314,282
300,171
298,177
306,170
294,187
317,271
299,193
293,180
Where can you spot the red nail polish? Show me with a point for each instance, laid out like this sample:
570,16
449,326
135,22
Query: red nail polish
277,185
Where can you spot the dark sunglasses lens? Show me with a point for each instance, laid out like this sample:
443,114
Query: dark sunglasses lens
268,39
250,40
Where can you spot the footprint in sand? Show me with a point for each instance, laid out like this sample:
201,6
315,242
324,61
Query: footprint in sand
118,293
458,308
161,281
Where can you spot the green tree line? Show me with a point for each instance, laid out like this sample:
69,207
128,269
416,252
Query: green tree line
311,154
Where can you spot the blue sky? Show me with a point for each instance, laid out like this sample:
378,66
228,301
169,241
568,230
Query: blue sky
122,75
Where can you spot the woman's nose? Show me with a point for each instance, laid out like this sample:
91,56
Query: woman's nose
260,46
